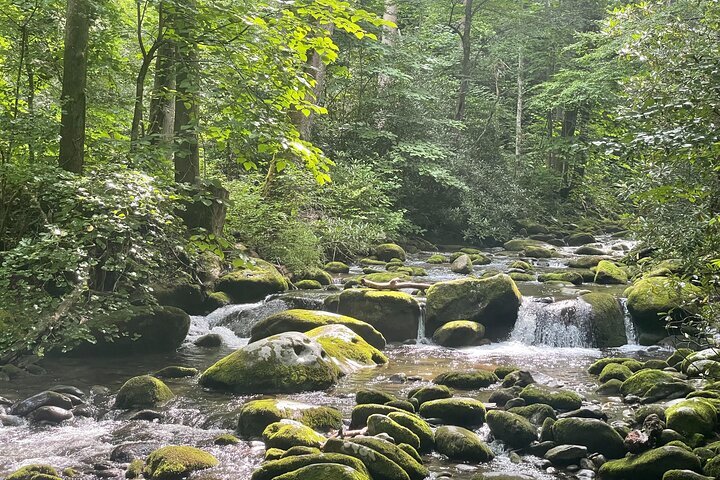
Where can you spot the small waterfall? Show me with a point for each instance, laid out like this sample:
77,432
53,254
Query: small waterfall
421,323
630,330
559,324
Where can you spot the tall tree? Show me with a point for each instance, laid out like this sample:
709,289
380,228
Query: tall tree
162,102
72,130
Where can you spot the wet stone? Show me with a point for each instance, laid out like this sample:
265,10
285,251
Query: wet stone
53,415
42,399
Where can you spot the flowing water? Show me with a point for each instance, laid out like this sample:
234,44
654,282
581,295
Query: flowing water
551,339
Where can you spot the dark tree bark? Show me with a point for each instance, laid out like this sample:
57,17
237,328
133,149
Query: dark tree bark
72,130
465,40
162,102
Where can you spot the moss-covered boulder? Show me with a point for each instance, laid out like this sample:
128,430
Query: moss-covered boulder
253,283
467,380
692,416
429,392
586,261
654,385
460,411
590,250
592,433
337,267
493,302
607,319
460,444
389,251
418,426
522,277
650,465
184,294
568,276
579,239
370,395
286,363
460,333
142,392
394,314
275,468
396,453
360,413
286,434
558,399
437,259
298,320
512,429
379,465
519,244
176,462
462,264
608,273
347,349
308,285
535,413
377,424
34,472
616,371
256,415
539,252
322,471
316,274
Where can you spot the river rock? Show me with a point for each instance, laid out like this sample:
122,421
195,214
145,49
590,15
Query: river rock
377,424
67,390
692,416
253,283
536,413
286,434
42,399
395,314
462,264
210,340
615,371
493,302
411,463
460,333
565,454
460,444
11,421
346,348
360,414
579,239
558,399
52,415
390,251
142,391
467,380
607,319
275,468
366,395
418,426
182,293
177,462
322,471
35,472
684,475
379,465
175,371
654,385
430,392
127,452
650,465
298,320
590,250
285,363
596,435
608,273
465,412
512,429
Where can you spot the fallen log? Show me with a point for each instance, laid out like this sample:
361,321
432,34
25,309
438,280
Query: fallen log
395,284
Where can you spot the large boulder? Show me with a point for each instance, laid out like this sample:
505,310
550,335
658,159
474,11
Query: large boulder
256,415
653,385
692,416
184,294
458,443
286,363
418,426
519,244
298,320
142,392
592,433
559,399
347,349
377,424
253,283
512,429
389,251
650,465
321,471
607,273
493,302
177,462
461,411
607,319
286,434
459,333
395,314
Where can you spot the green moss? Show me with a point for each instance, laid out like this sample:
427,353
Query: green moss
225,439
135,469
536,413
324,471
402,405
300,450
650,465
176,372
467,380
346,347
430,392
465,412
34,472
460,444
365,396
607,273
523,277
586,261
679,356
288,433
394,314
633,365
252,284
437,259
413,271
539,252
594,434
71,472
308,285
337,267
217,300
599,365
608,320
414,469
692,416
314,274
377,424
256,415
388,251
712,467
504,370
298,320
559,399
142,391
360,414
418,426
616,371
459,333
519,244
656,364
653,383
512,429
379,466
175,462
520,265
274,454
385,277
480,259
371,261
273,469
571,277
654,296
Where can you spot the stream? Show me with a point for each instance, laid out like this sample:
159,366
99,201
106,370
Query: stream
556,352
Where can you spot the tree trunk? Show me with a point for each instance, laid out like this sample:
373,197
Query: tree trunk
162,103
139,97
519,110
72,129
389,36
465,38
187,148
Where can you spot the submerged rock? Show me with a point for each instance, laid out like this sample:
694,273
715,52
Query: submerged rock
285,363
176,462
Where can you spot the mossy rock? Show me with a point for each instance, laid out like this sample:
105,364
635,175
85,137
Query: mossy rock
383,277
437,259
692,416
286,363
274,454
558,399
300,450
460,411
275,468
389,251
34,472
379,466
679,356
289,433
570,277
467,380
175,371
581,238
394,314
539,252
592,433
413,271
337,267
607,319
135,469
418,426
686,475
308,285
590,250
184,293
176,462
366,396
519,244
256,415
216,300
480,259
649,299
522,277
402,405
225,439
323,471
460,333
512,429
650,465
298,320
504,370
615,371
347,349
712,467
377,424
316,274
522,265
597,367
656,364
397,454
586,261
493,302
460,444
368,262
141,392
463,264
607,273
536,413
253,283
654,385
430,392
360,414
